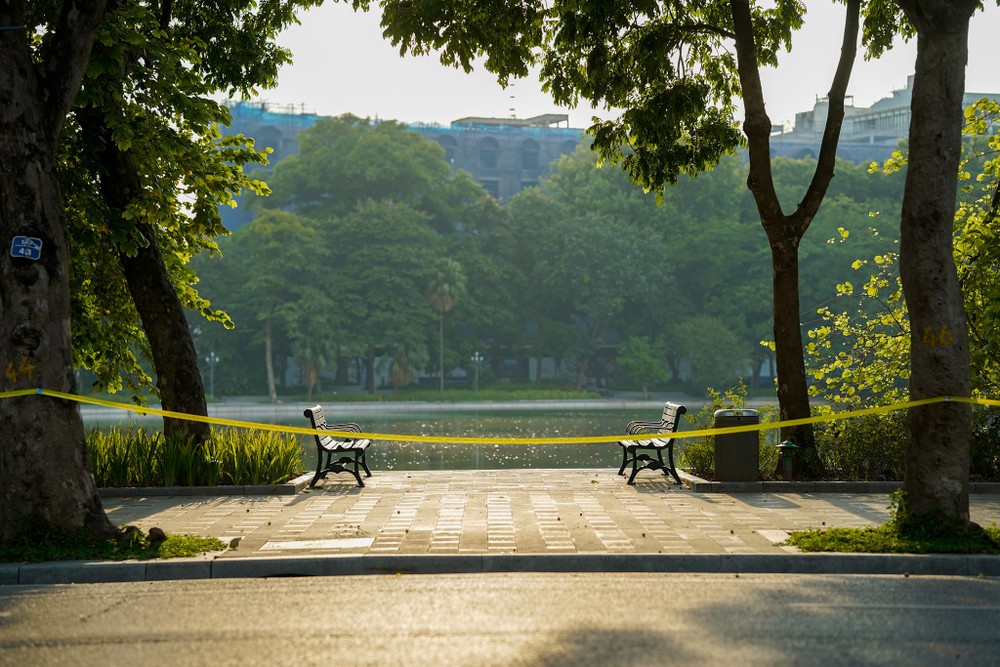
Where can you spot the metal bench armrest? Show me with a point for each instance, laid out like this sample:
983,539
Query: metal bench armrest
636,427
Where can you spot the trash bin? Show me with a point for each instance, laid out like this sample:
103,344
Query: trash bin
737,455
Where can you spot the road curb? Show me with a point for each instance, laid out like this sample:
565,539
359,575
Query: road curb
699,485
214,567
289,488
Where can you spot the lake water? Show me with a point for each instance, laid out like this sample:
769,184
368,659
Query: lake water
396,455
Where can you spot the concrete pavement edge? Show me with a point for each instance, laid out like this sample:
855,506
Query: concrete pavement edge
213,567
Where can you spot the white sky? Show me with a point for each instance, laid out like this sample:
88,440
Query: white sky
342,64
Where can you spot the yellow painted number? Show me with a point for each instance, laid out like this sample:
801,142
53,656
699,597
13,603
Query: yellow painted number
941,338
23,368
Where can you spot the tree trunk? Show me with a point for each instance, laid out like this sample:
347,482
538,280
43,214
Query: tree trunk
175,359
313,379
272,392
938,449
784,232
370,370
46,485
342,378
793,392
45,475
581,372
441,349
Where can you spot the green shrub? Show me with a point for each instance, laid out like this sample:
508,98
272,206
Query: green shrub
176,461
130,456
985,462
871,447
256,457
124,456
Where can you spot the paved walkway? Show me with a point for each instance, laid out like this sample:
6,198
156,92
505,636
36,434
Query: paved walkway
503,512
505,520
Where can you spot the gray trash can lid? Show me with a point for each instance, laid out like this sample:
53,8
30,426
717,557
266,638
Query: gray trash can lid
735,413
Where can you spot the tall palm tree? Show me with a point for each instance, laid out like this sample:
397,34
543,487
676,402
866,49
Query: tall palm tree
446,289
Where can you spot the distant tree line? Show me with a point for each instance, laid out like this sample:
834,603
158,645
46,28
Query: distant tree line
338,268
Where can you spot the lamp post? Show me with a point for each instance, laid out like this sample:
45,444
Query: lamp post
477,359
212,360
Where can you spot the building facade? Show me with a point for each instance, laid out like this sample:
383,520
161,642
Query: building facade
507,155
504,155
868,133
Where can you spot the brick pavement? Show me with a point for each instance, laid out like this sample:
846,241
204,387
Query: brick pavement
521,512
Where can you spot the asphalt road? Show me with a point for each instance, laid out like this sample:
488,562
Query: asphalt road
511,619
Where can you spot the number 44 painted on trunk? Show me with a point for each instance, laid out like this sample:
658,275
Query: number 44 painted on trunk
23,368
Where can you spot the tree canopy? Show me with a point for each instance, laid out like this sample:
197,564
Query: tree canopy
568,270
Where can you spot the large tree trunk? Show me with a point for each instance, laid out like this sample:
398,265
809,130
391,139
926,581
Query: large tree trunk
938,450
175,360
46,483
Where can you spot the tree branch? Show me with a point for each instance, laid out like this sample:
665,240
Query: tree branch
63,65
827,159
166,13
756,123
707,28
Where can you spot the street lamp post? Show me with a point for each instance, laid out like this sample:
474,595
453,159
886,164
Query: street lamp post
212,360
477,359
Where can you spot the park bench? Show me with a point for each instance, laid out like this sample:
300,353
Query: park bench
330,446
632,449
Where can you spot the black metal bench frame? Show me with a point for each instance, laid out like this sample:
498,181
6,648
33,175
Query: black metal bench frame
330,446
631,449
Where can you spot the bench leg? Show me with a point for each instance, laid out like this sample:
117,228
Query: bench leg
655,464
357,477
621,471
635,466
345,461
364,464
343,464
672,468
320,472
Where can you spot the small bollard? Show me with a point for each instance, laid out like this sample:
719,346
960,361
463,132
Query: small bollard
787,452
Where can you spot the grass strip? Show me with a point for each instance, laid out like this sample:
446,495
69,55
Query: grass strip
136,547
889,538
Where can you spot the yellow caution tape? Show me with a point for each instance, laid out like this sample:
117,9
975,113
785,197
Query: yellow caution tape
579,440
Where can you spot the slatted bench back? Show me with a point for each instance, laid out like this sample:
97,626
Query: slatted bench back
329,442
671,417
